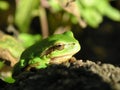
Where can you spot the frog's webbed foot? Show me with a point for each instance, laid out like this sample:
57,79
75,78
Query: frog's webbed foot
72,60
69,61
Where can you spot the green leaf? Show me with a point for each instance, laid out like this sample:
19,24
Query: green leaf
92,17
4,5
23,15
88,3
112,13
55,5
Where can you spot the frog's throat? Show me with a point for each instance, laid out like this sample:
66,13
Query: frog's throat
60,59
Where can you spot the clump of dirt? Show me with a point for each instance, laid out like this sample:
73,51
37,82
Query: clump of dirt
79,75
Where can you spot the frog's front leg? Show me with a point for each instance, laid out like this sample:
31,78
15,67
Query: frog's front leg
37,63
28,67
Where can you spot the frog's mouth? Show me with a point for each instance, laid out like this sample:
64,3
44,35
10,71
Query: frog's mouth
60,59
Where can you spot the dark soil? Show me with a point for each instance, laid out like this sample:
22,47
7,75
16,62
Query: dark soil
78,76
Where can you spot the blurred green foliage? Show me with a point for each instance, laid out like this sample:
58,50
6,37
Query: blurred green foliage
24,13
93,11
4,5
90,12
29,39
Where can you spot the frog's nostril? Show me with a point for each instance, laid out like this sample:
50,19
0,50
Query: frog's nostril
73,43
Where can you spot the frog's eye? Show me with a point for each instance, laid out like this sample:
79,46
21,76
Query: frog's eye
59,47
56,47
53,48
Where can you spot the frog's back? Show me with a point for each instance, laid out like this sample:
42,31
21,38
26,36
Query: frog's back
36,49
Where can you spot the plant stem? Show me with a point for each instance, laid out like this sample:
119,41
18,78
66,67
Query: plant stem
43,21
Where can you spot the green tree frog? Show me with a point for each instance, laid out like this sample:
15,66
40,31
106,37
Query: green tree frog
10,51
55,49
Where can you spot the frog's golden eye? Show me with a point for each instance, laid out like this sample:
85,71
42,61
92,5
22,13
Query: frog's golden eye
59,47
56,47
53,48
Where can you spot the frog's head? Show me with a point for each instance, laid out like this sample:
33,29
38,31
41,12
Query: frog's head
63,48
